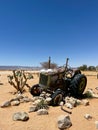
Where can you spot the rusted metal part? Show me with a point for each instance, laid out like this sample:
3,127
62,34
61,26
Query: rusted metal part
65,110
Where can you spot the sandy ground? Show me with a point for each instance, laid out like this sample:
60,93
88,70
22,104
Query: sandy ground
46,122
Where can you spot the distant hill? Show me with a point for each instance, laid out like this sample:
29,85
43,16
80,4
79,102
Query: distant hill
18,67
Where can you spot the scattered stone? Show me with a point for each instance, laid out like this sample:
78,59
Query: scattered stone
14,99
42,112
48,95
96,88
95,95
43,92
69,105
85,102
79,102
31,100
35,98
88,116
48,100
33,109
64,122
37,101
21,100
89,93
6,104
61,103
26,99
96,124
71,100
15,103
20,116
19,96
42,95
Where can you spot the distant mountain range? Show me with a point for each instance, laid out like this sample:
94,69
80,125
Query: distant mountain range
18,67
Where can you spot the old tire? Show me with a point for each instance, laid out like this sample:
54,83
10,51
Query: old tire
35,90
57,97
78,85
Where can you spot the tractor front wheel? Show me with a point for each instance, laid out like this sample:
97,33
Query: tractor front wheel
35,90
57,97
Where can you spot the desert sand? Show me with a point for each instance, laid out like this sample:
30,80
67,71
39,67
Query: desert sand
46,122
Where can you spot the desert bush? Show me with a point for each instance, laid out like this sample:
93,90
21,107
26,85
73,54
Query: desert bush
19,79
42,105
92,68
48,64
83,67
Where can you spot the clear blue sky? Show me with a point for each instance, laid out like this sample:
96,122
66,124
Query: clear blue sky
33,30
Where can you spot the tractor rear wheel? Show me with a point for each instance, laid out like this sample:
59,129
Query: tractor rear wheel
78,85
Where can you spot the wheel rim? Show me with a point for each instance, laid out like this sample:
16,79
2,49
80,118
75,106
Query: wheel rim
57,99
82,85
36,90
